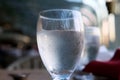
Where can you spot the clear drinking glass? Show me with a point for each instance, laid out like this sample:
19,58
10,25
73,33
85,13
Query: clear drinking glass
92,45
60,39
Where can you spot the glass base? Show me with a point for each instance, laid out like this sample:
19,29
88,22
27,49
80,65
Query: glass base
88,76
61,78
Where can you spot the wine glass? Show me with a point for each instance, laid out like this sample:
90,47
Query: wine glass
60,39
92,45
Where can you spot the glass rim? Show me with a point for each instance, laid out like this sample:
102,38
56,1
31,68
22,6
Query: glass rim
49,18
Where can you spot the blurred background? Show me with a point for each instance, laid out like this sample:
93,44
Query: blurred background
18,19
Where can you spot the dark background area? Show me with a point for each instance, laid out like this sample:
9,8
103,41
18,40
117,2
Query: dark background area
23,14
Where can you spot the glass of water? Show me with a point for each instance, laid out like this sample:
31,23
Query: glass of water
92,45
60,39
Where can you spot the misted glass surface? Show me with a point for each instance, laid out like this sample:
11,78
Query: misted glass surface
60,39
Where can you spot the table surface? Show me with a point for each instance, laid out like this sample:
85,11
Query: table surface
38,74
34,74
